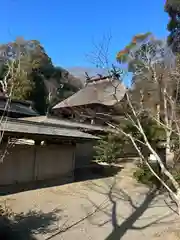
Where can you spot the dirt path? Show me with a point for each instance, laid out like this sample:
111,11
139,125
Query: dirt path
105,209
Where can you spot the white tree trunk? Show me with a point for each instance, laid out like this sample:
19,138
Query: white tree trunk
177,200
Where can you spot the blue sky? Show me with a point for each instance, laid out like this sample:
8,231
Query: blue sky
66,28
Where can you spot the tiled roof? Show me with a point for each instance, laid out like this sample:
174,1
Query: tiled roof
43,129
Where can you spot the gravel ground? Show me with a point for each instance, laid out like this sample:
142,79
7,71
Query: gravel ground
105,209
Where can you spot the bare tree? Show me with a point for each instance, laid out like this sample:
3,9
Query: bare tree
13,71
162,70
100,54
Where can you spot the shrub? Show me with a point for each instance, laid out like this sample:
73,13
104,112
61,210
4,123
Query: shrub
108,148
143,175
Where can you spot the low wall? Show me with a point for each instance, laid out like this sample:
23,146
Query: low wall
25,163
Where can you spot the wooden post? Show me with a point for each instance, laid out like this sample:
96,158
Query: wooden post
74,159
35,164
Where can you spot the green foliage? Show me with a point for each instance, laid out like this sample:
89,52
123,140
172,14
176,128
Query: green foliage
108,148
39,93
65,91
22,87
143,175
32,66
152,130
111,146
18,83
172,7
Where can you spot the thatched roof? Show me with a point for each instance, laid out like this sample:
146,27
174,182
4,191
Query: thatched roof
106,92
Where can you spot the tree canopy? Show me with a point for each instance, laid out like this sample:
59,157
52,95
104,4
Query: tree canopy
172,7
152,64
34,74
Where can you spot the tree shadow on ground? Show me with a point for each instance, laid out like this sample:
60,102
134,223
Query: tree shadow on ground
96,171
114,196
112,214
93,171
25,226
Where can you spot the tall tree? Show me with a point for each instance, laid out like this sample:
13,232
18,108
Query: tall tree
143,50
161,64
34,73
29,59
153,66
172,7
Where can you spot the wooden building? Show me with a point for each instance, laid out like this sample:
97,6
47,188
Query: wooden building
49,155
95,103
16,108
